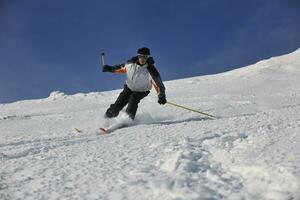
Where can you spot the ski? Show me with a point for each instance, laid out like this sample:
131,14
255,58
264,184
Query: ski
111,125
104,130
78,130
111,129
115,127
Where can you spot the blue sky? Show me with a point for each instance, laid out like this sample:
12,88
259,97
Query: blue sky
55,45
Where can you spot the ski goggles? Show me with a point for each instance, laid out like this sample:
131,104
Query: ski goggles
142,56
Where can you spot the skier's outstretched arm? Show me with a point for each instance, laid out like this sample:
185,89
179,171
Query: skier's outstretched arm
115,68
120,68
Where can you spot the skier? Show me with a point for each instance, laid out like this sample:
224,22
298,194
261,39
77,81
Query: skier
141,75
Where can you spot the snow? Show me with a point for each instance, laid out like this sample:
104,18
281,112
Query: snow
251,151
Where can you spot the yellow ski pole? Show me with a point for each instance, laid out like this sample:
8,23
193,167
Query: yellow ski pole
193,110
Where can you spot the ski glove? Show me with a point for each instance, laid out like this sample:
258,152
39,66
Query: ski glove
107,68
162,98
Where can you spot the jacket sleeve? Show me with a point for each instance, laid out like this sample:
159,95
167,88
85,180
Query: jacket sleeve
120,68
116,68
159,86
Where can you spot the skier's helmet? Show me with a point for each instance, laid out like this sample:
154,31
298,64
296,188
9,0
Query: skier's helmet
144,51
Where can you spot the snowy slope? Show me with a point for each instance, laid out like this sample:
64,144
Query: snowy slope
252,151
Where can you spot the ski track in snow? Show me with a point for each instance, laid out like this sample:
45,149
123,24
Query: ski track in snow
251,151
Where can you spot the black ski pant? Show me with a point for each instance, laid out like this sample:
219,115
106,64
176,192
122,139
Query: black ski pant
129,97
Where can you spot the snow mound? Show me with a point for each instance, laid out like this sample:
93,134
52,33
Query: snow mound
55,95
289,64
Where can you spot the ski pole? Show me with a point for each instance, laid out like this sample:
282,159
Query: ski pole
193,110
102,59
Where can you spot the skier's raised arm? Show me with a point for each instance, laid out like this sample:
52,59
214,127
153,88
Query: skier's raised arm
120,69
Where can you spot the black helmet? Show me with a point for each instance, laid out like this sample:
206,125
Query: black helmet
144,51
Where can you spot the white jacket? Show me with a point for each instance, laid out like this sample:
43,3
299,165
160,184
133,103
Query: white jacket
138,77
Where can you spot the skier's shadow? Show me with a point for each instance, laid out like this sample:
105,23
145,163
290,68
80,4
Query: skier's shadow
192,119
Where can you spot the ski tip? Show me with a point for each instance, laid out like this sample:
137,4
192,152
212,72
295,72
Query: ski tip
103,130
77,130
